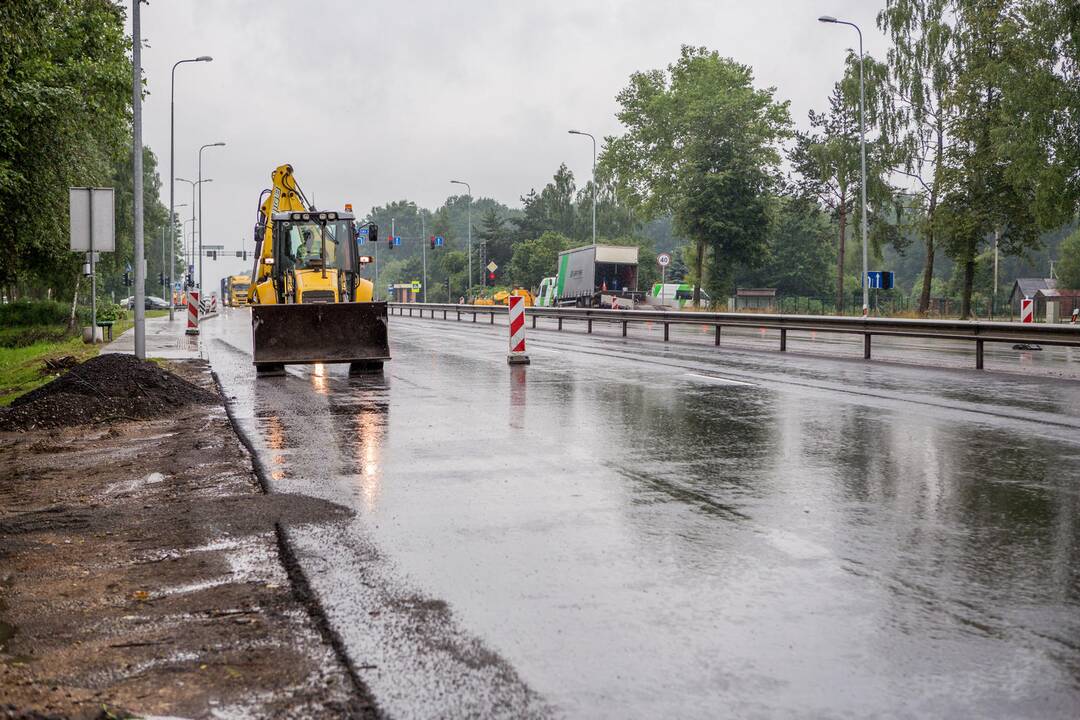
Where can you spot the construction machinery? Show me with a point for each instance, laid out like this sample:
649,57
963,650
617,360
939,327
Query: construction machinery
502,297
308,301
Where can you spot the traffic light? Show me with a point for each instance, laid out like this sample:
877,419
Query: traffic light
212,254
161,278
127,279
432,242
491,276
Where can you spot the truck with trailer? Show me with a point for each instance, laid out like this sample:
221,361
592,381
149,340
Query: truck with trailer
593,276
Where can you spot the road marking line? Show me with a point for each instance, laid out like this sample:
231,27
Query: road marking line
722,381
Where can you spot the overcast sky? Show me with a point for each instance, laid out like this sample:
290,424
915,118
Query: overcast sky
377,101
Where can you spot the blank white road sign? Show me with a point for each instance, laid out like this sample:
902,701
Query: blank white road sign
104,219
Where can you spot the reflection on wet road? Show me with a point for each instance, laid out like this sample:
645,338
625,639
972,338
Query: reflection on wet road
642,531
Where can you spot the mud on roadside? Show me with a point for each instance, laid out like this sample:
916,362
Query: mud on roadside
140,573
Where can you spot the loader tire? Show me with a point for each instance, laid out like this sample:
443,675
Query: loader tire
365,367
269,369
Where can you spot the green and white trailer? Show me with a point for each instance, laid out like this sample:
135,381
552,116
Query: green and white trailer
593,276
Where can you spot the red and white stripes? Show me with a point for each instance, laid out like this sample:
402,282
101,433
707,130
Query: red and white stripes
192,313
517,331
1027,310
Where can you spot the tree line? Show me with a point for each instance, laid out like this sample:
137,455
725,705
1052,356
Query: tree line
65,121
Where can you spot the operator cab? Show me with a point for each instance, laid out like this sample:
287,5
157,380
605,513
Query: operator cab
314,241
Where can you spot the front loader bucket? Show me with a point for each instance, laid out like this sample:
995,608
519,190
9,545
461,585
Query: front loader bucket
350,332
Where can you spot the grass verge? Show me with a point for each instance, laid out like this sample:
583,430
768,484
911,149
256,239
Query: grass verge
23,368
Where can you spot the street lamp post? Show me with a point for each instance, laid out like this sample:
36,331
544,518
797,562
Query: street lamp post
469,188
862,152
172,170
194,184
217,144
578,132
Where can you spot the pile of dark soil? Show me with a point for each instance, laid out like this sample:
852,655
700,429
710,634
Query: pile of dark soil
107,388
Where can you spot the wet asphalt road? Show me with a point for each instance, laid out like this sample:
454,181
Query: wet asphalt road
627,529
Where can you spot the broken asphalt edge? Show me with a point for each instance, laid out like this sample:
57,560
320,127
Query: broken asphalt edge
301,588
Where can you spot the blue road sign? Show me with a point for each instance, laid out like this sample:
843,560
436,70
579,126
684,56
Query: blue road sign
362,231
439,242
879,279
397,240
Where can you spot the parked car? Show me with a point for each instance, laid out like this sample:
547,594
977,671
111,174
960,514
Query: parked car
150,302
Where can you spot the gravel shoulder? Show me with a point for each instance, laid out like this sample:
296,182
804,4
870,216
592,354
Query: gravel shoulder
140,573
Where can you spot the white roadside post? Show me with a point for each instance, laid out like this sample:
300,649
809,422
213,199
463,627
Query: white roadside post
663,260
517,354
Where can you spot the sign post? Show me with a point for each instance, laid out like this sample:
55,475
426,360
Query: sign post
663,260
92,222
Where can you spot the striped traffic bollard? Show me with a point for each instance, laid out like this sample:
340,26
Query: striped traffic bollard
192,313
517,355
1027,310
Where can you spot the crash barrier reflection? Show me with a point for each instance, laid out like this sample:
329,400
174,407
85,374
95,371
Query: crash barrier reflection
977,331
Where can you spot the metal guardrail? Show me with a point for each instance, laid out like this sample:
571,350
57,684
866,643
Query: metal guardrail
977,331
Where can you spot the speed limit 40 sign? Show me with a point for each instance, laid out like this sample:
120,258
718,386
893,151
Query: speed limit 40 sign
663,259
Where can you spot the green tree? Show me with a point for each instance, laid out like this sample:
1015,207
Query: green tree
494,231
552,209
800,249
702,145
1068,265
828,159
536,259
921,74
65,94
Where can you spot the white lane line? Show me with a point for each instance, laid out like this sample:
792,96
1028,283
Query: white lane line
720,380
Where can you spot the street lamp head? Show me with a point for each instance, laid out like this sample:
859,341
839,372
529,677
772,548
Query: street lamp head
204,58
218,144
827,19
574,132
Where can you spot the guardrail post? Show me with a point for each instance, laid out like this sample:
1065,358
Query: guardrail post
978,354
492,318
624,328
474,316
560,323
459,315
444,314
783,339
866,346
716,340
534,322
410,312
588,326
666,332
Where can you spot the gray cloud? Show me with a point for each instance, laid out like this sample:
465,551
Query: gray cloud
378,101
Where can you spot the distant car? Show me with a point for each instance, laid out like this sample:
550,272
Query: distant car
150,302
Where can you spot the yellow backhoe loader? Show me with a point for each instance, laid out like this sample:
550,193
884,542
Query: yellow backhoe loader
308,301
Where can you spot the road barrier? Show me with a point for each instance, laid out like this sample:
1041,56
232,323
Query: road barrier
977,331
517,354
192,313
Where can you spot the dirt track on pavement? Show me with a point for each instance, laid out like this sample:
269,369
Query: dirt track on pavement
140,573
